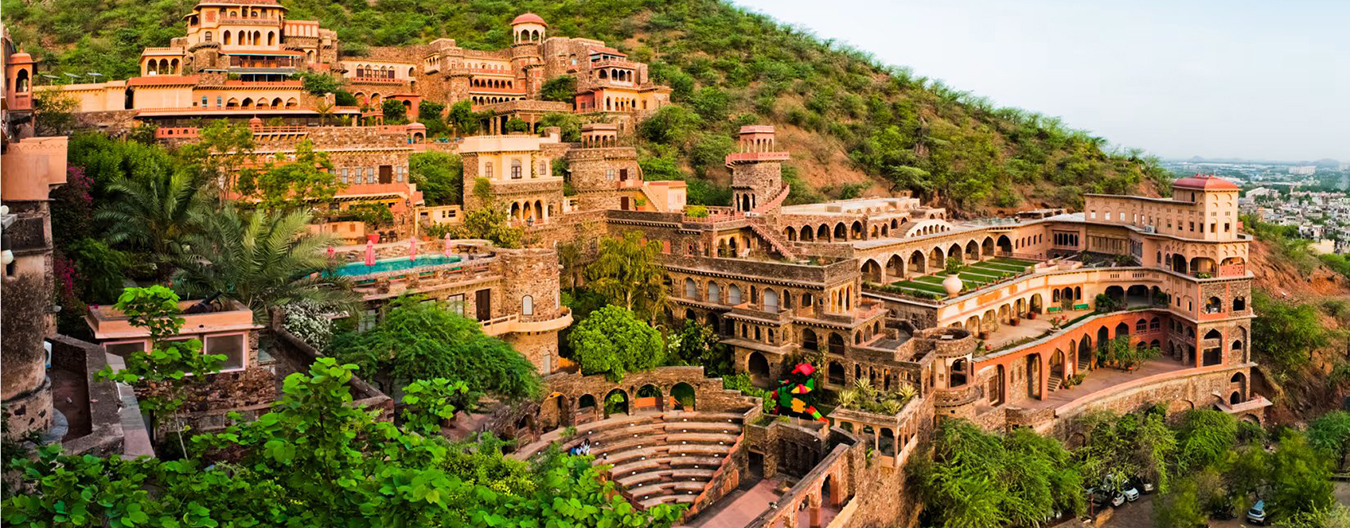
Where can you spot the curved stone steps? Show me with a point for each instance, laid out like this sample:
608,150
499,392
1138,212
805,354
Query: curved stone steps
664,439
667,488
661,463
667,499
703,475
624,457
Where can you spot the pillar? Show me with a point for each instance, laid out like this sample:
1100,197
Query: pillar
1043,375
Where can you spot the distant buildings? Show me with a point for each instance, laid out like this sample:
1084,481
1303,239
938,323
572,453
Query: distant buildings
1303,170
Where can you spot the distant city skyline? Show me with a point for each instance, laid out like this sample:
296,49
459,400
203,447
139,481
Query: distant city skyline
1209,78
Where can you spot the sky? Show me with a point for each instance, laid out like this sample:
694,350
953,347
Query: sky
1213,78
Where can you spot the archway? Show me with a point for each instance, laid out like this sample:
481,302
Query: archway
896,266
917,263
1058,369
987,247
836,374
616,402
1137,295
758,367
649,397
871,271
683,396
955,252
836,344
1033,365
935,262
972,251
1005,245
586,406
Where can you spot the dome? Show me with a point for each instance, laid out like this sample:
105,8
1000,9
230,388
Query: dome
1207,182
416,126
529,18
21,57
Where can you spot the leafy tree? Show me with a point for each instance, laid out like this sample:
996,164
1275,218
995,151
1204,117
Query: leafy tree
1180,507
166,365
374,214
1284,334
1300,478
319,83
569,126
439,175
516,124
1109,454
628,274
220,150
611,341
54,113
345,98
698,344
1204,438
420,340
318,460
490,223
262,259
463,119
291,184
428,404
432,114
561,88
152,212
394,112
1331,433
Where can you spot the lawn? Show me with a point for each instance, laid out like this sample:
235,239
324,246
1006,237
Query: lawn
974,275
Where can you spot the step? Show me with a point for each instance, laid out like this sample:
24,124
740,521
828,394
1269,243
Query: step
667,499
660,463
660,451
670,475
666,488
673,439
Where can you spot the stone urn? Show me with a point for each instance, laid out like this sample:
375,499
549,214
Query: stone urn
952,284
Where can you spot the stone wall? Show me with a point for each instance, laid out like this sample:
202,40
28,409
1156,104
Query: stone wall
105,436
27,318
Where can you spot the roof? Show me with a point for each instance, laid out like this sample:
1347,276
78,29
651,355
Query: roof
1207,182
163,80
607,51
529,18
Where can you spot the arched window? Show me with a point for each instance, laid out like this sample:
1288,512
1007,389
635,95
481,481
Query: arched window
226,37
516,170
1239,304
527,305
770,301
207,37
690,289
714,293
733,295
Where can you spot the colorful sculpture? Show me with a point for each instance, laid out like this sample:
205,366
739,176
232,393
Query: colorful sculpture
794,393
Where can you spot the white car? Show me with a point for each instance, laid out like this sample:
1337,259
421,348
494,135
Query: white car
1117,500
1131,494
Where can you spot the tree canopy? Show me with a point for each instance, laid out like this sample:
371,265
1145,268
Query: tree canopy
611,341
629,275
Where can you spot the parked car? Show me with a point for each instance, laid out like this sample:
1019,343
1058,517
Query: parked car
1257,514
1117,499
1130,492
1100,498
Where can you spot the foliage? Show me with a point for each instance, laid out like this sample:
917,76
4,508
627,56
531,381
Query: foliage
432,115
311,322
462,119
1180,508
165,366
317,83
1104,303
374,215
864,397
1300,478
490,223
54,113
569,126
613,342
742,383
153,212
569,257
953,265
439,175
1287,247
628,274
698,344
977,479
288,184
514,125
1119,352
428,404
420,340
1204,438
318,460
394,112
561,88
221,148
696,211
1284,334
1331,433
261,259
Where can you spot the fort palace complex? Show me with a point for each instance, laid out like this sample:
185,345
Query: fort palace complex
999,321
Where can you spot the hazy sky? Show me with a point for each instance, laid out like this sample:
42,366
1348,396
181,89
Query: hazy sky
1179,78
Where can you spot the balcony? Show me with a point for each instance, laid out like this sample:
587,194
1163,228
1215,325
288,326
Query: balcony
512,323
740,157
375,80
110,323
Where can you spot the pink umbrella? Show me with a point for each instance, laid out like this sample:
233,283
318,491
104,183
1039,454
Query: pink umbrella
370,253
447,244
412,248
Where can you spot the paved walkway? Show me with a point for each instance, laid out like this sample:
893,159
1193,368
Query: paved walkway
739,508
1026,328
1104,378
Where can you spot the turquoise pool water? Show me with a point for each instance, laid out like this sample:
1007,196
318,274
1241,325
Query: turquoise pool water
356,269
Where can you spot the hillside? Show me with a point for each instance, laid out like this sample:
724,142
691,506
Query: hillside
855,127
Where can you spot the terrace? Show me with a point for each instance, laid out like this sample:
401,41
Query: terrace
974,276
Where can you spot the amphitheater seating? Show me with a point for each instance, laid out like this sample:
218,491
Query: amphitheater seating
661,457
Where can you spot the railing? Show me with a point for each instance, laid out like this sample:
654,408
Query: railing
245,84
252,21
737,157
176,132
496,91
498,325
375,80
22,101
285,129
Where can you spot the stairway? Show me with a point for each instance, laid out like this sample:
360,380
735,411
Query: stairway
776,201
1055,382
772,239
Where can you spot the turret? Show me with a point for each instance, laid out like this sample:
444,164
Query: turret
757,171
528,28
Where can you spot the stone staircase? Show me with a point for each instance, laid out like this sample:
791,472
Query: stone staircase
1055,383
769,236
662,457
776,201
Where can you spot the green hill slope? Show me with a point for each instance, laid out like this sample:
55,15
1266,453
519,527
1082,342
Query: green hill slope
854,126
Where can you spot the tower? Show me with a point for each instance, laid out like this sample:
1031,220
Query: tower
528,33
757,171
600,168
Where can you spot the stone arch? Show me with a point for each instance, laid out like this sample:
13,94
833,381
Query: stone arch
619,404
758,367
935,259
823,233
684,397
790,234
836,343
809,340
955,252
835,374
917,263
972,251
840,232
871,271
649,391
1005,244
896,266
856,230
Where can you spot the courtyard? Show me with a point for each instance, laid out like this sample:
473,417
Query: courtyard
974,276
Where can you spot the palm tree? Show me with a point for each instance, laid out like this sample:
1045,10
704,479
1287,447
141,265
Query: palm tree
153,212
263,259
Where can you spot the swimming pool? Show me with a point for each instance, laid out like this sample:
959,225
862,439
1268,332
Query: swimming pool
356,269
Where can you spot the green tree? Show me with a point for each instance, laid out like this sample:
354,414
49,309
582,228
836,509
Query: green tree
515,124
439,175
611,341
222,147
561,88
1180,507
428,404
1300,478
154,213
490,223
262,259
319,83
629,275
698,344
54,113
288,184
419,340
1331,433
394,112
165,367
432,114
1204,438
463,119
1284,335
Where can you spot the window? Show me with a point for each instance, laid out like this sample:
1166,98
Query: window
690,289
208,36
342,173
218,98
609,175
733,295
527,305
455,303
398,173
230,346
516,170
205,101
123,349
714,293
487,170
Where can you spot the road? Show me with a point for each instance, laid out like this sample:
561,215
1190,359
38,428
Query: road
1139,514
